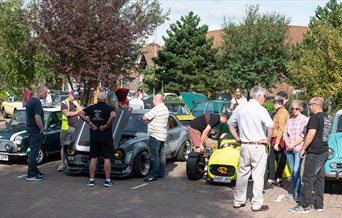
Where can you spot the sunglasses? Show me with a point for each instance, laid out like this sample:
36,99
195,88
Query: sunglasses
295,109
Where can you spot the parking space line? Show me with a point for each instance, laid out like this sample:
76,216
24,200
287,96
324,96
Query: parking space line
139,186
21,176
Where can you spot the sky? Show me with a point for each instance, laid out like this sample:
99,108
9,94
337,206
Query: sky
213,12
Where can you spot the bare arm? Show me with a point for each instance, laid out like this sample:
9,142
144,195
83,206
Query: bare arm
307,141
69,113
234,133
204,135
84,117
39,122
109,122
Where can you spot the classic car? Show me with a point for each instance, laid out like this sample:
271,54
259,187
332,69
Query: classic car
14,143
8,107
333,166
131,154
178,108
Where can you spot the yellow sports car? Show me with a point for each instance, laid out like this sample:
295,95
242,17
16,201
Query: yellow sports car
220,165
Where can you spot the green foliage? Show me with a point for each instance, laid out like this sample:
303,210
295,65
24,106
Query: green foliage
187,61
254,51
316,64
21,63
149,82
269,105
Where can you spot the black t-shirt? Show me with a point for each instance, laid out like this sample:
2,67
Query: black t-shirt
322,124
33,107
72,120
99,114
200,123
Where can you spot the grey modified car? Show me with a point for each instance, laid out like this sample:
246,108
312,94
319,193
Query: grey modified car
131,154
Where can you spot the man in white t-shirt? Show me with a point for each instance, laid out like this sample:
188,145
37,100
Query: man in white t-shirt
135,102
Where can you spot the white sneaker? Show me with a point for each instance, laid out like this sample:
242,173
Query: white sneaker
61,168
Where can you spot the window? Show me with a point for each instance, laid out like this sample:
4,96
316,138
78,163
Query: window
172,122
339,124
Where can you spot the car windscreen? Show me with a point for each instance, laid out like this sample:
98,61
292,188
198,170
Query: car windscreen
177,109
135,124
18,118
339,124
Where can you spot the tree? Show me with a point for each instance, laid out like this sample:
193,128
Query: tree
254,51
95,41
316,63
21,63
187,61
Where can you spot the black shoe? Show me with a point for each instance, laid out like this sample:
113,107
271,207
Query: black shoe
279,183
149,179
262,208
236,207
268,185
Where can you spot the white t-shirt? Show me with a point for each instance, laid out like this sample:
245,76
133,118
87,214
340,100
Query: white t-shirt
136,103
158,117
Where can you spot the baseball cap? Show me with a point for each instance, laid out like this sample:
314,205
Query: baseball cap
75,94
102,96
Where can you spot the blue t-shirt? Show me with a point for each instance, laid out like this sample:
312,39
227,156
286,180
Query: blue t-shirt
33,107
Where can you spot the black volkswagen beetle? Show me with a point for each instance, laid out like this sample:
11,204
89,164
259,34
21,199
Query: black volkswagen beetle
14,143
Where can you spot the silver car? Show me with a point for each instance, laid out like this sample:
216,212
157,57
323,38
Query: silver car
131,153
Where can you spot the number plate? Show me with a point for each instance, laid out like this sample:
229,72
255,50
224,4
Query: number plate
222,179
3,157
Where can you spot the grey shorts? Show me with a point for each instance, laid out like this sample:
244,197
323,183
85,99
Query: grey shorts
65,135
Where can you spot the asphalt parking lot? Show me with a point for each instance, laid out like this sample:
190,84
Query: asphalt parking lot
61,195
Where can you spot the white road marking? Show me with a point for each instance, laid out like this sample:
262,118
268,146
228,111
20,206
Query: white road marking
19,177
279,198
139,186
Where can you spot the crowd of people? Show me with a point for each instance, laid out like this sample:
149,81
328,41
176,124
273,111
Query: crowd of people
266,143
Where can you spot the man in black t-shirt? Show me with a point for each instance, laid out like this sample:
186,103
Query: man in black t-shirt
100,117
316,150
35,130
199,128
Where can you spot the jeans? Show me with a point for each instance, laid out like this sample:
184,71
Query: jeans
158,159
35,142
313,179
280,157
295,164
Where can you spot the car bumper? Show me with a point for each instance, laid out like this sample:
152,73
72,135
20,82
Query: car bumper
5,156
80,164
334,175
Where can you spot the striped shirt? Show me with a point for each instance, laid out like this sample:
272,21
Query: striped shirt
295,128
252,120
158,117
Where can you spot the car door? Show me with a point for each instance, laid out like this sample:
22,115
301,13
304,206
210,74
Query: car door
52,132
172,137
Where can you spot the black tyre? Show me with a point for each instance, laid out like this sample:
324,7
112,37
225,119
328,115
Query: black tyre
328,186
41,156
184,151
4,114
195,168
141,164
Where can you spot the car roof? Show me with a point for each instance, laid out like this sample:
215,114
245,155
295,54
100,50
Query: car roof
339,112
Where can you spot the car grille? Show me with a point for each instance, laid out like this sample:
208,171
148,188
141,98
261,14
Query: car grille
222,170
339,165
11,147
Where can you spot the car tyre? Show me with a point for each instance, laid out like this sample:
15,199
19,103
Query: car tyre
195,167
141,164
184,151
4,114
328,186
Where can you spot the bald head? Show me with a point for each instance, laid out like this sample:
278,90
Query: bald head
41,92
316,104
157,99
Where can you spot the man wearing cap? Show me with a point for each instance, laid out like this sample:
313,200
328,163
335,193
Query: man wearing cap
69,108
100,117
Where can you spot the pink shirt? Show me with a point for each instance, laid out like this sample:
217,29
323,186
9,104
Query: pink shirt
296,127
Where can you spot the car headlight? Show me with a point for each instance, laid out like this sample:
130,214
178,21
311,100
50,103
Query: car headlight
208,151
117,154
331,153
333,165
18,140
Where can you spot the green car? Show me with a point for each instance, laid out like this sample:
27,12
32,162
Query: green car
14,143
